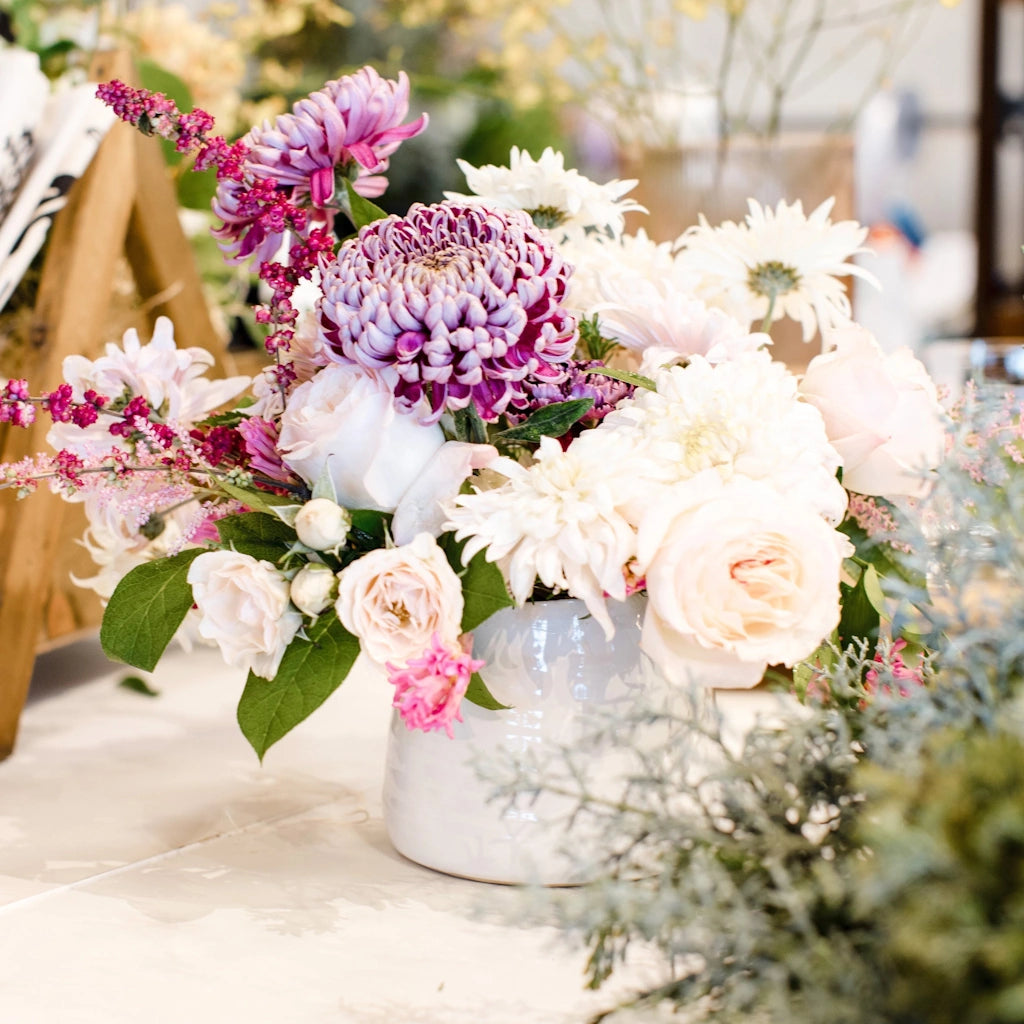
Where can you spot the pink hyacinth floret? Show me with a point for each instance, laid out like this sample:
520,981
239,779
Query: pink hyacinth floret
429,689
450,306
347,129
906,678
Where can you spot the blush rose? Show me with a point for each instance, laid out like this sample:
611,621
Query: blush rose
344,423
395,599
881,413
738,577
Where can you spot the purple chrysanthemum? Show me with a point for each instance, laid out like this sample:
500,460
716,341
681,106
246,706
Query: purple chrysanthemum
606,392
347,129
450,305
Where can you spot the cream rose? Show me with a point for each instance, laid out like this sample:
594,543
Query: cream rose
345,422
738,577
395,599
244,608
881,413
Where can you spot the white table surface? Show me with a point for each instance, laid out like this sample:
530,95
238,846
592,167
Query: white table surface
151,870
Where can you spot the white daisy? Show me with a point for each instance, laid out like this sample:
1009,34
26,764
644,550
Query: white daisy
559,200
777,263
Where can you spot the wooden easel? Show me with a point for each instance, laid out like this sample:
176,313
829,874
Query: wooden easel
124,205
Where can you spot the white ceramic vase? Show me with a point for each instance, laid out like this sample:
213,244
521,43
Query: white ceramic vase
550,662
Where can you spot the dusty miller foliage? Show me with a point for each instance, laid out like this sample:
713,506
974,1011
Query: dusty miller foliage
864,863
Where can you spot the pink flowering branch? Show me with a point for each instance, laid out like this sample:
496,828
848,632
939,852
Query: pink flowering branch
259,201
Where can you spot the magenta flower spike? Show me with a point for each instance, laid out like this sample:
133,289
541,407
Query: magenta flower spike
450,306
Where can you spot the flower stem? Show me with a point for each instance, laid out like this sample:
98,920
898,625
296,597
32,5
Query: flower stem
766,323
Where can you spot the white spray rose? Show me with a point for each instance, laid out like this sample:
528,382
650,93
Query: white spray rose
881,413
345,421
244,608
395,599
739,576
322,524
314,588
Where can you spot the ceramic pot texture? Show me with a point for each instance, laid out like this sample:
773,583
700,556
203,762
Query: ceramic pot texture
550,662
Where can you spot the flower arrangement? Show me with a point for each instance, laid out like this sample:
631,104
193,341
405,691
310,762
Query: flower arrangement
490,400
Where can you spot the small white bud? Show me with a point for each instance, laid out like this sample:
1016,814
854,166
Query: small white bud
322,524
314,588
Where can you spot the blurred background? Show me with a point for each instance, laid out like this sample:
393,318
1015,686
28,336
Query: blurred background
910,112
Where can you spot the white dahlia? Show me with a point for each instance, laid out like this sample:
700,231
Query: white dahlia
558,520
604,269
172,380
665,324
741,417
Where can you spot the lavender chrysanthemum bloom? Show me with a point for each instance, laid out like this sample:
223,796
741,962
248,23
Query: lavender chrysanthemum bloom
450,305
347,129
605,391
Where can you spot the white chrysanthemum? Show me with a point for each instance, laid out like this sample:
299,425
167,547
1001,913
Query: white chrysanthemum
557,199
797,258
605,268
557,520
741,417
171,379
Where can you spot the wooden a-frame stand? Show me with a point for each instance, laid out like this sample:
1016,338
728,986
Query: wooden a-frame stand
124,204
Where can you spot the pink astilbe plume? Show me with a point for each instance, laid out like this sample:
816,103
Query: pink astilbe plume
450,306
429,689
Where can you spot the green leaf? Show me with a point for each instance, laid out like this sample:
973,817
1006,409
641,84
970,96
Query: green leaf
860,619
484,592
369,529
258,501
137,685
469,426
146,609
550,421
873,589
478,694
361,211
311,670
259,534
627,377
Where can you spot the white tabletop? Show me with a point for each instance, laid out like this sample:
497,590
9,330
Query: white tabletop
151,870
